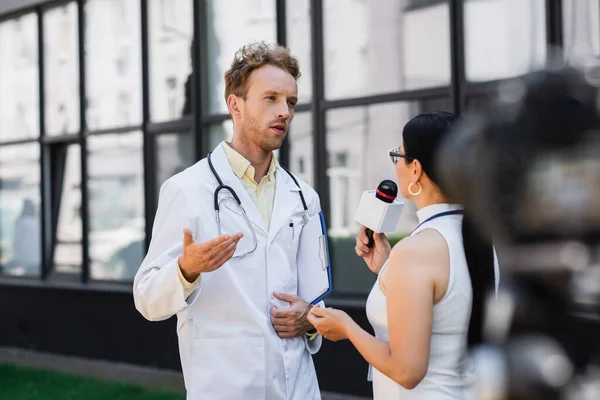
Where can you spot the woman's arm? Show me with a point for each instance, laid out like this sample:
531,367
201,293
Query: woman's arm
410,297
410,292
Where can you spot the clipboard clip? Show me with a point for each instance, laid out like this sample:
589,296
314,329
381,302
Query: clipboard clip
323,252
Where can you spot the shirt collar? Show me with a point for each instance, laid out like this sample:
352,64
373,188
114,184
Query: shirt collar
240,165
433,209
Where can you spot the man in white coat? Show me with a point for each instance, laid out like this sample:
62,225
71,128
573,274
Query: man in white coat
232,280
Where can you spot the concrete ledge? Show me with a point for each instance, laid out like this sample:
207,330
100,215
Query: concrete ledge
111,371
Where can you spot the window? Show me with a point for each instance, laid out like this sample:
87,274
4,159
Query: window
113,63
299,42
20,233
170,34
65,188
219,132
116,205
581,28
373,47
61,69
358,141
301,147
514,41
19,79
175,152
231,25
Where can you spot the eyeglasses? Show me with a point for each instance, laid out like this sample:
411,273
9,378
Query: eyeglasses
395,155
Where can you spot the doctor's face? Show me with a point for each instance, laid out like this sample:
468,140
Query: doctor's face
268,108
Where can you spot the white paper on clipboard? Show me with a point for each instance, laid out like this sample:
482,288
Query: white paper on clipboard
314,269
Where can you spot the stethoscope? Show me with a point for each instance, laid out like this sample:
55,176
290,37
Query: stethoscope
239,203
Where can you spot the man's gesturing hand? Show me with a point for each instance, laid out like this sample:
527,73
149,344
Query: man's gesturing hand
291,322
207,256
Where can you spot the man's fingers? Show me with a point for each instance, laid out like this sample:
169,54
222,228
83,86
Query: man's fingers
222,248
290,298
284,328
224,256
283,313
214,242
220,252
287,335
187,237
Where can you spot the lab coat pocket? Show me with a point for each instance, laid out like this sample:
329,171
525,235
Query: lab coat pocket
232,368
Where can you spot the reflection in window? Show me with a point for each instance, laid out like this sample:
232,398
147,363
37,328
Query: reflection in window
581,28
61,73
20,244
231,25
116,205
19,79
514,41
376,47
301,147
170,31
66,207
358,142
113,63
220,132
298,40
175,152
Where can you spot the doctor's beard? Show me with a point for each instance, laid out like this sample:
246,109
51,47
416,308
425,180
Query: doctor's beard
262,136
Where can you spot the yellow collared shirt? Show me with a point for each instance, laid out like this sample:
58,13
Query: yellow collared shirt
262,194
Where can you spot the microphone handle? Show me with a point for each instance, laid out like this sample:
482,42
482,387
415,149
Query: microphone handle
371,239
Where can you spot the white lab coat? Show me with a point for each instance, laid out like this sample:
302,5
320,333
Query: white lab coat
228,347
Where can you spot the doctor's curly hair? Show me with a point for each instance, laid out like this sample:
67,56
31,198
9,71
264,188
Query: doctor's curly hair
254,56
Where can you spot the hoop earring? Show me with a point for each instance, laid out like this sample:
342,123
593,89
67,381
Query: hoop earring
411,192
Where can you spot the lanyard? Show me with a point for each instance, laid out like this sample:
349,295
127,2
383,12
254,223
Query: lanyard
443,214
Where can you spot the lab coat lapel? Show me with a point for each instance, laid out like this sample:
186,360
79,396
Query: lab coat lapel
287,199
224,170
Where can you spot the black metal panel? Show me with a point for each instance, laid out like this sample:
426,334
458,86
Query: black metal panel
46,178
280,11
150,201
554,23
184,124
457,54
318,110
85,212
410,95
200,79
96,324
70,138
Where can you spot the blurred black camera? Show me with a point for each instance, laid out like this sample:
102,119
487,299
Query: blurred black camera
527,169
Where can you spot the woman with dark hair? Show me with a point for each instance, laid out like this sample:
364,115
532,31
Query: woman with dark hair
426,307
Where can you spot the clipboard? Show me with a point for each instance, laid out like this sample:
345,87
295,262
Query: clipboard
313,261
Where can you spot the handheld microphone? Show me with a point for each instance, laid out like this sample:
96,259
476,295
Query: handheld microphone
379,210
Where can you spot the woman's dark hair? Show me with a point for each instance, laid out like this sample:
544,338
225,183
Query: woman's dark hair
422,137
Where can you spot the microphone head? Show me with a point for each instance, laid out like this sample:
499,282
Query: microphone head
387,191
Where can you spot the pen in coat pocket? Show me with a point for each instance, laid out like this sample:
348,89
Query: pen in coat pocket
292,226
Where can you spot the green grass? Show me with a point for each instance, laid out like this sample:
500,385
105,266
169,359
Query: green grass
18,383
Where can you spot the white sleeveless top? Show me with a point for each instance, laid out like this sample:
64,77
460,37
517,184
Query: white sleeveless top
450,375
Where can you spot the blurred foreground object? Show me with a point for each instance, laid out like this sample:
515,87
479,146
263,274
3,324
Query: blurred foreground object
527,168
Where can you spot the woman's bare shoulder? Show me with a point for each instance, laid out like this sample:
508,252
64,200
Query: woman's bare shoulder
424,247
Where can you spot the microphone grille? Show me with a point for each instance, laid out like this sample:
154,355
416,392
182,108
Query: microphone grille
388,187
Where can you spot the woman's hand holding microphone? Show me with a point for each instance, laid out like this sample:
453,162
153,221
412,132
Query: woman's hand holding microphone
375,256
